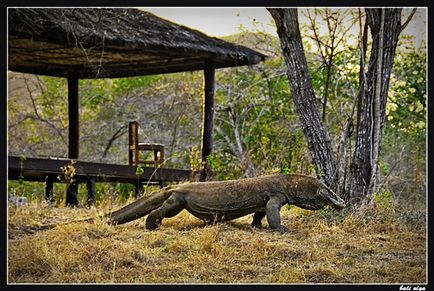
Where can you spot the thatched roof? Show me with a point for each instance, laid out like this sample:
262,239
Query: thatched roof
111,42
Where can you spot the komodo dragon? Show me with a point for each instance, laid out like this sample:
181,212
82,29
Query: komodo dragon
227,200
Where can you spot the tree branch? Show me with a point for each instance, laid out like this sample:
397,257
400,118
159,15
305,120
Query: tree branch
38,116
404,25
121,131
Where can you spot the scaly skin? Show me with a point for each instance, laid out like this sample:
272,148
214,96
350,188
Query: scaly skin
227,200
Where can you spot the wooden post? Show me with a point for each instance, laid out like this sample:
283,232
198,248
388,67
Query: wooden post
138,189
73,115
74,134
90,183
49,188
133,133
71,194
208,117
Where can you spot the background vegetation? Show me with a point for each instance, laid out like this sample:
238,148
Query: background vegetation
256,132
256,128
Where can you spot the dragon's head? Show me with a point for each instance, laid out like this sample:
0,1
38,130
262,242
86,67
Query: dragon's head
332,198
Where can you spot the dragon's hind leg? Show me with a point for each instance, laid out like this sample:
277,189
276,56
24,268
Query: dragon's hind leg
171,207
257,218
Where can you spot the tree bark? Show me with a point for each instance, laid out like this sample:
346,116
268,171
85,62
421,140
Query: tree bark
303,94
342,158
371,115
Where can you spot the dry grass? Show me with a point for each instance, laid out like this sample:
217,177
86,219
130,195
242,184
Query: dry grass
322,247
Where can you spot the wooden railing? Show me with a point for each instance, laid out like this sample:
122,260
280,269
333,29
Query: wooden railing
49,169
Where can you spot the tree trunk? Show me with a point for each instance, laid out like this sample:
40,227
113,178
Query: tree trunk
372,104
385,26
303,95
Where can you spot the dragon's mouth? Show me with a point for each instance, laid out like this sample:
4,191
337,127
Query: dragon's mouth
339,203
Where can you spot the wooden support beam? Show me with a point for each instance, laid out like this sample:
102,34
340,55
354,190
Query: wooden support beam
90,183
73,117
71,194
138,189
49,188
74,134
208,117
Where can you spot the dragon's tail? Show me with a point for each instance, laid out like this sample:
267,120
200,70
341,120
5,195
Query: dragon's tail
139,208
134,210
34,229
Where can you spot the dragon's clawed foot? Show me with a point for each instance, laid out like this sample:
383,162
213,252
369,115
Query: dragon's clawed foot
282,229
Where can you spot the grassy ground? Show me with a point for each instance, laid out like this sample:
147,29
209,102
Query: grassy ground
322,247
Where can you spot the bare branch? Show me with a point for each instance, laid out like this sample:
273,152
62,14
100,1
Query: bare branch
35,109
57,130
317,38
38,116
121,131
227,139
403,26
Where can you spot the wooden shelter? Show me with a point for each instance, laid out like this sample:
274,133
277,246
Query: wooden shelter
78,43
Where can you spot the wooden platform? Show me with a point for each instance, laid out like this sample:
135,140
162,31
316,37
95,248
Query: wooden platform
48,169
37,169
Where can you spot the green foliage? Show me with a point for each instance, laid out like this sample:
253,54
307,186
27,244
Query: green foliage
406,107
226,166
140,169
285,171
39,113
384,168
384,201
404,140
195,159
256,122
120,192
211,161
30,190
